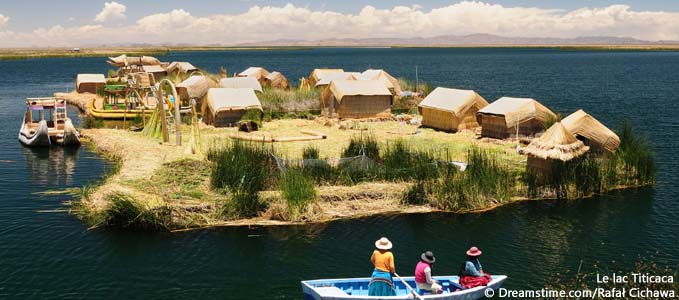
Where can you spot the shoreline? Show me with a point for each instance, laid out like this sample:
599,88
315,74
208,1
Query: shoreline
46,52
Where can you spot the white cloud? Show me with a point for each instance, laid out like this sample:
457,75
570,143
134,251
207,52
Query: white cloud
112,12
262,23
3,20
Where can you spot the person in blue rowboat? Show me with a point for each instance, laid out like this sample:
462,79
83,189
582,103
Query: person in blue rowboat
381,281
471,272
423,271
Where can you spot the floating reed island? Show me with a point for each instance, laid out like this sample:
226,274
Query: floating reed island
213,150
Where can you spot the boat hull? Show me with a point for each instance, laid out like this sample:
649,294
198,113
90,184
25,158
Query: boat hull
357,289
71,136
38,138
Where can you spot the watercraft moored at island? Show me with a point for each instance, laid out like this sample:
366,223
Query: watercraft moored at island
46,123
357,289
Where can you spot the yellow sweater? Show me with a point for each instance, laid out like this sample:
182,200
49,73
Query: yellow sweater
383,261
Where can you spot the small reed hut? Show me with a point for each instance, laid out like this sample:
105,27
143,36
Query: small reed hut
258,73
276,80
589,130
226,106
177,67
556,144
451,109
195,87
241,82
502,118
158,72
378,74
352,99
325,81
317,74
89,83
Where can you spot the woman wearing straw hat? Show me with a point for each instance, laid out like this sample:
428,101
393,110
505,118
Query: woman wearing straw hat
471,272
381,282
423,277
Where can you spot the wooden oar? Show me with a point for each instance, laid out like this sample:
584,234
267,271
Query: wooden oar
410,288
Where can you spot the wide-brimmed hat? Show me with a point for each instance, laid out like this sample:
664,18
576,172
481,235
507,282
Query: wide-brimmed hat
473,251
428,256
383,244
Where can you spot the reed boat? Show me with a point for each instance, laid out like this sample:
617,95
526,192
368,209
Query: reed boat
119,112
46,123
357,289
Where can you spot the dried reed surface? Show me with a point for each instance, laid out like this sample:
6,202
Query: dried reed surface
175,183
81,101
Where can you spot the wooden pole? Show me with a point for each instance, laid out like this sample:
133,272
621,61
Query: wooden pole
409,288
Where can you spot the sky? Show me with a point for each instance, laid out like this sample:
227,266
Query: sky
72,23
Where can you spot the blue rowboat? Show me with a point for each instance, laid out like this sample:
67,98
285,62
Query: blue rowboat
357,289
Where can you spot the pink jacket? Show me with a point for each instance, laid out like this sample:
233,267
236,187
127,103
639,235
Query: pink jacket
420,276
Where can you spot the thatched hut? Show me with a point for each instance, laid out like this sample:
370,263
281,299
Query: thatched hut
158,72
356,99
589,130
89,83
501,118
226,106
195,87
317,74
451,109
177,67
556,144
378,74
241,82
258,73
327,78
276,80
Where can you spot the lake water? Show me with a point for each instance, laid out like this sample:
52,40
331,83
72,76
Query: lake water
52,255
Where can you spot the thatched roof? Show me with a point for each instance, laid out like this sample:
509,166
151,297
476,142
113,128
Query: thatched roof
379,74
518,110
327,78
241,82
317,74
184,66
342,88
221,99
582,124
257,72
90,78
453,100
124,60
195,86
556,143
277,80
153,69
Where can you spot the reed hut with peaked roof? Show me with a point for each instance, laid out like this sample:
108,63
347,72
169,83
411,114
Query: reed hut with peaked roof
227,106
89,83
258,73
327,78
317,74
502,118
158,72
556,144
589,130
195,87
352,99
276,80
180,67
451,109
378,74
241,82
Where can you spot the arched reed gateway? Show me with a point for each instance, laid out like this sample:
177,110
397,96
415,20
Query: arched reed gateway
352,99
451,109
504,117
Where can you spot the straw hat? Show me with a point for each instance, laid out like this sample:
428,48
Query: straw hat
473,251
428,256
383,244
556,143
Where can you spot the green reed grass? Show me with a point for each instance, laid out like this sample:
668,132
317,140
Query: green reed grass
127,212
310,152
363,144
298,190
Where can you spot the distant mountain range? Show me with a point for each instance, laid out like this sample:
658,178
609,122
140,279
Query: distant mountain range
464,40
